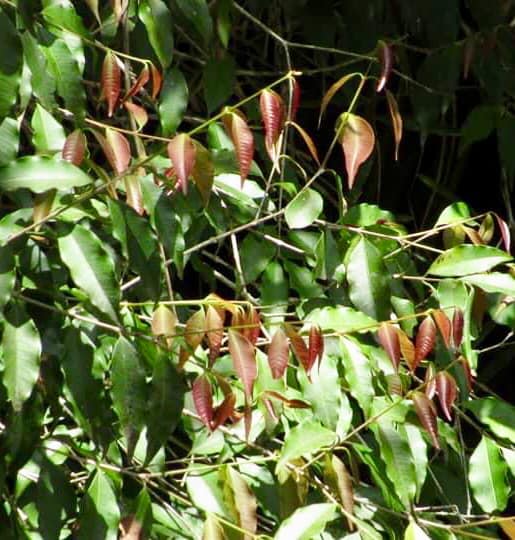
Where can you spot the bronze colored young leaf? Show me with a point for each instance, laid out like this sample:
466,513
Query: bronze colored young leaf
396,117
386,59
157,81
245,503
214,331
332,91
295,101
357,139
164,322
244,361
139,83
278,353
224,411
182,152
193,335
467,371
447,391
430,381
203,399
339,478
394,382
505,232
74,147
139,113
315,345
389,340
252,325
426,413
457,327
243,140
425,341
407,348
272,113
292,403
119,153
444,326
298,346
111,77
308,140
133,193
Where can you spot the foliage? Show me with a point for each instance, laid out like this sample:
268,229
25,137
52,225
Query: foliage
206,332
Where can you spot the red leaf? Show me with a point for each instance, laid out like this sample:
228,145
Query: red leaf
278,353
252,325
243,140
140,82
298,346
292,403
425,341
357,139
157,81
224,411
295,101
457,327
111,77
308,140
505,232
182,152
468,372
430,381
242,353
120,152
74,147
444,326
389,340
215,331
407,348
203,399
426,413
446,391
139,113
272,113
396,117
315,345
386,60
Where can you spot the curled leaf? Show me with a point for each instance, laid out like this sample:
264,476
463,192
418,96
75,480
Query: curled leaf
272,113
110,82
203,399
292,403
389,340
308,140
386,61
278,353
157,81
467,371
357,139
426,413
182,153
469,47
134,195
444,325
139,113
299,346
457,327
244,361
139,83
224,411
486,230
74,147
243,140
505,232
396,118
339,478
332,91
425,340
447,391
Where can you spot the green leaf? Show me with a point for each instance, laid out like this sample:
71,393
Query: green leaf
129,391
495,282
341,319
63,15
10,64
418,447
306,522
21,347
302,211
9,140
256,255
197,13
219,79
366,214
159,24
40,174
100,515
173,102
414,532
368,279
467,259
91,268
479,125
357,373
7,274
488,476
49,136
206,492
497,414
453,213
306,438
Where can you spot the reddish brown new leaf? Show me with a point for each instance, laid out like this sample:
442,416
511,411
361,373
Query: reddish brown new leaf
193,334
426,413
120,151
357,139
467,371
278,353
295,101
430,381
224,411
243,357
298,346
425,340
315,345
134,195
74,147
386,60
389,340
338,477
444,326
505,232
407,348
182,152
110,82
457,327
308,140
243,140
332,91
139,113
272,113
139,83
396,118
292,403
157,80
447,391
215,331
252,325
203,399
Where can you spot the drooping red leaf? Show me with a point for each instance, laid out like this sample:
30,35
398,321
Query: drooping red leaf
357,139
243,140
134,195
244,361
295,100
157,80
467,371
426,413
505,232
214,331
193,334
139,83
425,340
298,346
444,326
407,348
74,147
446,390
252,325
308,140
429,380
120,151
396,118
457,327
203,399
292,403
386,60
182,153
139,113
273,115
389,340
110,82
315,345
278,353
224,411
333,89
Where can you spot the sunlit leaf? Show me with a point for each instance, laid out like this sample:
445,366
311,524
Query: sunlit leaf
244,361
333,90
203,399
505,232
497,414
164,322
426,413
298,346
357,373
386,60
193,333
396,118
302,211
214,331
245,503
306,522
139,113
243,140
119,154
110,81
182,152
315,345
430,381
389,340
273,116
278,353
425,340
48,134
466,259
444,325
203,171
252,325
158,22
415,532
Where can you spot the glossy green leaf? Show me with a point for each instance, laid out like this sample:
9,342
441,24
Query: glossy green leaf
302,211
255,256
129,391
488,476
497,414
91,268
418,447
494,282
368,279
197,14
158,21
306,522
415,532
173,101
357,373
21,347
63,15
49,136
219,79
341,319
205,490
40,174
9,140
455,212
467,259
